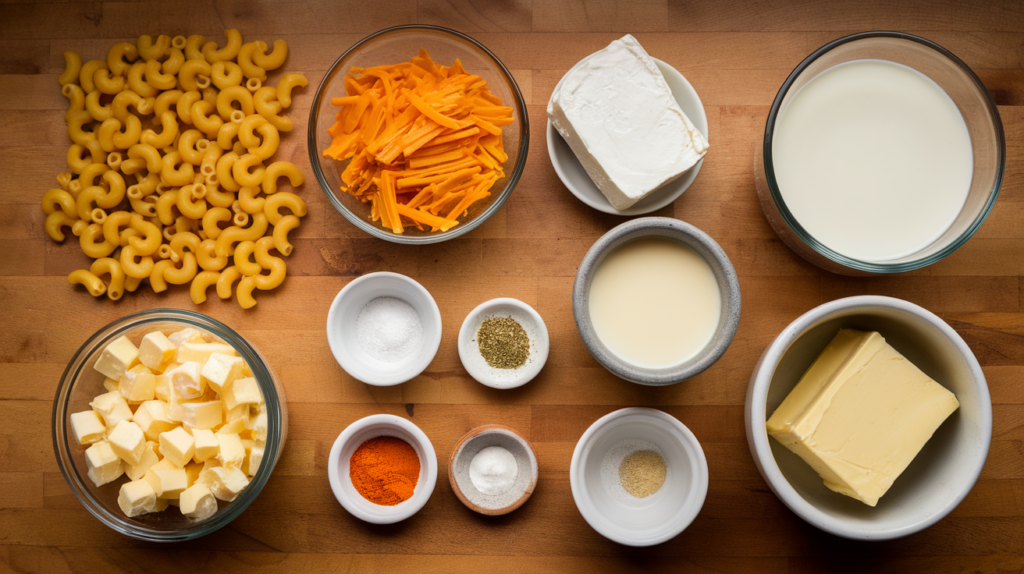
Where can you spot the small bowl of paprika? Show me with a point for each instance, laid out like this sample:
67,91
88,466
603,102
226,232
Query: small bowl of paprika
382,469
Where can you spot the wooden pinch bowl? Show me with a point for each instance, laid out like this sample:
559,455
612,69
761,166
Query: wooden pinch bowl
473,442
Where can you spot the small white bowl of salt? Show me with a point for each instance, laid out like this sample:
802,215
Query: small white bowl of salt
493,470
384,328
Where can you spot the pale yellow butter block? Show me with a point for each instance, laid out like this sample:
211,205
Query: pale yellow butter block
186,335
117,358
197,502
136,498
154,418
170,483
253,457
110,385
186,380
206,444
202,415
230,450
237,426
221,370
177,446
112,407
156,350
150,476
225,483
860,414
258,426
102,464
128,441
200,352
138,384
192,471
88,427
150,456
162,387
245,391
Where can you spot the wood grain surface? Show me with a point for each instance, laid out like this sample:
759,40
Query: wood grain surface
736,53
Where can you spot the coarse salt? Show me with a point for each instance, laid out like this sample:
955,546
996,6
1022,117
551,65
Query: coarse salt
389,329
493,471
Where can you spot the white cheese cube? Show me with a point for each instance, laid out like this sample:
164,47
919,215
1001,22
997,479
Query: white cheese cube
177,446
200,352
244,391
102,464
170,483
197,502
112,407
117,358
230,450
148,459
136,498
186,380
186,335
225,483
88,427
156,350
110,385
137,384
206,444
202,415
128,441
221,370
617,113
154,418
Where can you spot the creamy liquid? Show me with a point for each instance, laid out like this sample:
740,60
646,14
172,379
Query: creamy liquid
873,159
655,302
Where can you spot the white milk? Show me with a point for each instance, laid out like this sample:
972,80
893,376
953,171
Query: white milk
873,159
655,302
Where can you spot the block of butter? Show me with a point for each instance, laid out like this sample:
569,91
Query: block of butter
617,113
860,414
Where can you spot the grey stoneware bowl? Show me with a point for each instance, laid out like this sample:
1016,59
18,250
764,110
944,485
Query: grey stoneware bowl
688,235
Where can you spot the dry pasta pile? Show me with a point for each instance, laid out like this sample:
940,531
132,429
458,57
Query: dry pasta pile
425,141
152,202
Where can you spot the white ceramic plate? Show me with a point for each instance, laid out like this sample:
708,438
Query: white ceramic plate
469,350
572,174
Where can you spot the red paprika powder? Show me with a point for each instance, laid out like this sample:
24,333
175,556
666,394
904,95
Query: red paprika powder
385,470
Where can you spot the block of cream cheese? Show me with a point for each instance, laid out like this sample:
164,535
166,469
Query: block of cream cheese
860,414
617,113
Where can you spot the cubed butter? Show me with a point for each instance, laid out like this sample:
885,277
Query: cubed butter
230,451
235,426
110,385
225,483
117,358
136,498
177,446
128,441
102,464
221,370
156,350
206,444
258,426
860,414
186,380
112,407
154,418
200,352
202,415
162,387
88,427
186,335
197,502
192,471
245,391
137,384
148,459
253,457
170,483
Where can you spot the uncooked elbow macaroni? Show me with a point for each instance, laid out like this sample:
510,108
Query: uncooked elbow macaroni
171,175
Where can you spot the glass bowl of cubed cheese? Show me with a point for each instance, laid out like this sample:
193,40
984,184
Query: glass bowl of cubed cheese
167,424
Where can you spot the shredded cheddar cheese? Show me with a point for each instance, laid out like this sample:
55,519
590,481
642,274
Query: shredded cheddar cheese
424,141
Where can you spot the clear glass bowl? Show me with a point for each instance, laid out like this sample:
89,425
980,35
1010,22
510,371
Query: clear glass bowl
81,382
966,91
392,46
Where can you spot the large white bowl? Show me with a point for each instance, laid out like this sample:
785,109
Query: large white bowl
942,473
341,328
575,178
662,515
361,431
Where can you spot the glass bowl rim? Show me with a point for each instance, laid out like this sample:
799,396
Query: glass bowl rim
462,228
857,264
60,410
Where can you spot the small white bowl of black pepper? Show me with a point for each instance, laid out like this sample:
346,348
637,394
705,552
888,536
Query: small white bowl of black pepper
503,343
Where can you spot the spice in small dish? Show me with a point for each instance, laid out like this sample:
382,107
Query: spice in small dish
385,470
389,329
503,343
642,473
493,471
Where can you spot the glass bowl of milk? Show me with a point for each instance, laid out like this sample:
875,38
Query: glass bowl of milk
882,153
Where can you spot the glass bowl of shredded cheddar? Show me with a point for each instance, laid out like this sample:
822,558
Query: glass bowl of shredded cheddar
418,134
